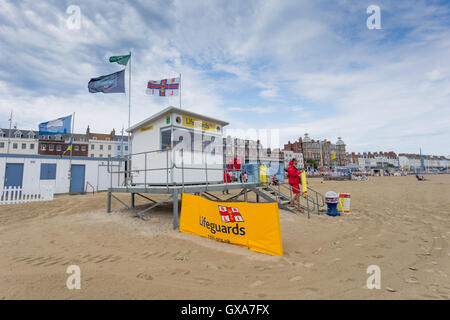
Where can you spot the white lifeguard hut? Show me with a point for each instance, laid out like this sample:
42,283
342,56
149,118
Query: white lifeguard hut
177,147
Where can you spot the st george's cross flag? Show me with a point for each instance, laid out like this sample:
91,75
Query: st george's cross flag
111,83
164,87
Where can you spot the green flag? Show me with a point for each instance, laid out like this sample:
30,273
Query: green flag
120,59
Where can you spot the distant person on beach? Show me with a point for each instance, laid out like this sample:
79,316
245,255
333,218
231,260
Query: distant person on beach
275,181
226,179
294,181
421,178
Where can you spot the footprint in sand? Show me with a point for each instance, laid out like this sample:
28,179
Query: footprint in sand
412,280
180,271
144,276
296,278
204,281
306,265
181,257
262,268
257,283
311,289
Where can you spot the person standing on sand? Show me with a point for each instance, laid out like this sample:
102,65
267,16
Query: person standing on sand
294,181
226,179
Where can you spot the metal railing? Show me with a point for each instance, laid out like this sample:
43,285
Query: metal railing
90,185
129,172
314,200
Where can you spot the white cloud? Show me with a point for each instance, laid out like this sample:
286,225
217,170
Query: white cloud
384,89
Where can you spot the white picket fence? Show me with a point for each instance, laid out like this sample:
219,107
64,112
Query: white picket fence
11,195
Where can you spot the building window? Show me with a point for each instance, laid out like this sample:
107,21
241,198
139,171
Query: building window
109,147
32,146
108,139
101,156
94,138
2,144
77,148
51,147
83,148
101,147
92,155
118,148
58,147
43,147
166,139
126,148
48,171
92,146
14,145
24,145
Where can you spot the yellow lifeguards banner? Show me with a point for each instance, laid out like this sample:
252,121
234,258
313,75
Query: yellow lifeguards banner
304,185
252,225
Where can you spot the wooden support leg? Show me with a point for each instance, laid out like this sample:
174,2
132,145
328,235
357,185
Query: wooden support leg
175,210
108,203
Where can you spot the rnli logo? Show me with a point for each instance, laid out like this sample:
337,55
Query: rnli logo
230,214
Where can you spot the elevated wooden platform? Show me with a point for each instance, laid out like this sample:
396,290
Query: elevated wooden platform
174,191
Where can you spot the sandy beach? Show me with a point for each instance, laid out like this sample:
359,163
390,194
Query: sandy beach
397,223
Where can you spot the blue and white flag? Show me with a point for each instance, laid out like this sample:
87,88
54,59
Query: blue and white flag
111,83
58,126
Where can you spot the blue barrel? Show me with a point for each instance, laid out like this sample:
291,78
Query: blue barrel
332,200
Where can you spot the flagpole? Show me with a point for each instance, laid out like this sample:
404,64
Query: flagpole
9,137
71,139
180,90
129,102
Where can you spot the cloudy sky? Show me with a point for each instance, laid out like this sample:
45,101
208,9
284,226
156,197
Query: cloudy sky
296,66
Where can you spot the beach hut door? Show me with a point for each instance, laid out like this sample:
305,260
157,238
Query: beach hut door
77,178
14,175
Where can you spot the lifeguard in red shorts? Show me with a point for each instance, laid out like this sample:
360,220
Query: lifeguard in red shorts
294,181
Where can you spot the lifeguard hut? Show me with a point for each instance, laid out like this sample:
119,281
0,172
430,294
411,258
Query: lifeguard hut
176,147
176,151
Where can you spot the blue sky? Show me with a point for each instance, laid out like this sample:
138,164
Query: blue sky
296,66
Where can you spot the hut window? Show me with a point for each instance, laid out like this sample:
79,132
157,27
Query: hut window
165,139
48,171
